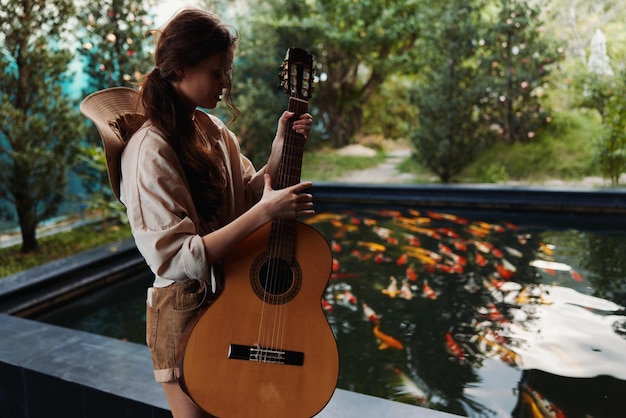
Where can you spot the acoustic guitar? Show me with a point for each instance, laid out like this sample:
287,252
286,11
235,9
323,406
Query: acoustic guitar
264,348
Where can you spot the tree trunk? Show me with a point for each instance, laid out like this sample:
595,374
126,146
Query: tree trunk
28,226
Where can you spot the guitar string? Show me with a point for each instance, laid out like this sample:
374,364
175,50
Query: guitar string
275,328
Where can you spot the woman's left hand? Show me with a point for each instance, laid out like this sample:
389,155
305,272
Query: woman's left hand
301,125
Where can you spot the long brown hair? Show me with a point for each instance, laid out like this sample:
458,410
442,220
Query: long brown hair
192,36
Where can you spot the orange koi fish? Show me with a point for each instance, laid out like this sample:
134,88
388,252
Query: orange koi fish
335,266
454,348
389,213
428,291
424,231
505,269
480,259
576,275
392,290
445,217
322,217
413,221
392,241
386,341
539,404
547,249
402,260
414,212
369,221
335,247
410,273
372,246
459,245
497,253
369,314
477,231
455,257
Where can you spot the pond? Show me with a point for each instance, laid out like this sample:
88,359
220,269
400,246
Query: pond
477,313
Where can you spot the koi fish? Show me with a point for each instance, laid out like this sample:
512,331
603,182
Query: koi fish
547,249
477,231
335,266
386,341
327,306
335,247
480,259
369,314
383,233
448,232
505,269
460,246
349,297
424,231
428,291
372,246
392,290
410,273
405,291
413,240
402,260
513,251
414,212
455,257
447,217
413,221
539,405
576,275
369,221
454,348
322,217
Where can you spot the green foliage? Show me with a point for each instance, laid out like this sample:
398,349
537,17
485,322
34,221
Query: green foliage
115,50
563,151
516,58
611,143
38,124
448,136
357,44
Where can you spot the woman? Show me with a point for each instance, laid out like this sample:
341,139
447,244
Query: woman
190,195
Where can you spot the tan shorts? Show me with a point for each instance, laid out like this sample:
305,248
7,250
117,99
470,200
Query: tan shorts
168,312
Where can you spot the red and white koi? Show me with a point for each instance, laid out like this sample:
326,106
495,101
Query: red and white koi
454,348
428,291
369,314
405,291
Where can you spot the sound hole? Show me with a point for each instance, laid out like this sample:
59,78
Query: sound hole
274,280
276,277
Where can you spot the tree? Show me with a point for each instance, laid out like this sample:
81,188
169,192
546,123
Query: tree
611,145
449,133
358,44
38,124
517,58
116,50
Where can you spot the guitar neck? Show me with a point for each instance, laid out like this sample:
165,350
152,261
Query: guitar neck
283,231
290,167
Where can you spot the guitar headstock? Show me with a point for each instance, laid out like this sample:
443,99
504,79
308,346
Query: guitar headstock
296,73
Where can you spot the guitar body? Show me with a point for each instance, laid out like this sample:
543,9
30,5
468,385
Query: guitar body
265,350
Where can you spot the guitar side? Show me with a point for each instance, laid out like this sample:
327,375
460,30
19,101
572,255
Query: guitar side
220,370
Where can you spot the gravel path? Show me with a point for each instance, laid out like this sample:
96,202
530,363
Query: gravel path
385,172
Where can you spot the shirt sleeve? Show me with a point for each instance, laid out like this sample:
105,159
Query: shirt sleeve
160,209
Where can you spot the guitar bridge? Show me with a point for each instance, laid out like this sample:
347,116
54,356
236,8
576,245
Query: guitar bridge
265,355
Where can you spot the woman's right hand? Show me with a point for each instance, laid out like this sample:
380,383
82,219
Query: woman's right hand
289,202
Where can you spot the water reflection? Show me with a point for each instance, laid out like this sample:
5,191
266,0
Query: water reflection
446,311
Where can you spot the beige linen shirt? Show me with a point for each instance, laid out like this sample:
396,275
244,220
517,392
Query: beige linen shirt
162,216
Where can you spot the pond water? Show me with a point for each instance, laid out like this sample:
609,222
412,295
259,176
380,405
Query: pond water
481,314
